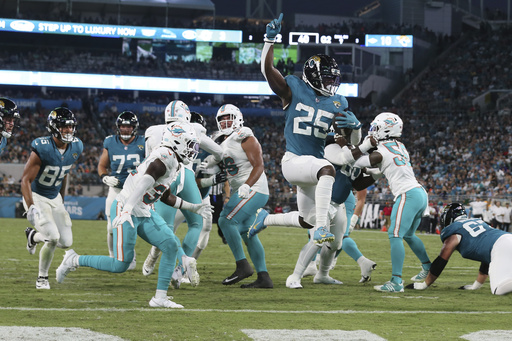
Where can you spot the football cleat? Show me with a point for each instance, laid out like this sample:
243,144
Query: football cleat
190,265
390,287
319,279
42,283
322,235
31,245
69,263
293,282
366,271
258,224
177,277
243,270
133,264
163,303
263,282
421,276
149,264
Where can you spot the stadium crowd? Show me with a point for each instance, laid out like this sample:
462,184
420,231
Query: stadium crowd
462,150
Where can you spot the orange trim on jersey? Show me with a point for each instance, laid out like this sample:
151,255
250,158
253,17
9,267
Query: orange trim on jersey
239,206
399,213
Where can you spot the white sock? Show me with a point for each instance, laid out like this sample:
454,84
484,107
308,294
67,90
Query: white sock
323,194
285,219
326,258
306,255
110,243
161,294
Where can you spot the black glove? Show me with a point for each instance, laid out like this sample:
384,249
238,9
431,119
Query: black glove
220,178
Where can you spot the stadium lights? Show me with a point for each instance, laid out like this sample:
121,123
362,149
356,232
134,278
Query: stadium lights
140,83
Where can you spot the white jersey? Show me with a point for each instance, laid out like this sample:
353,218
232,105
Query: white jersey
396,167
238,167
171,163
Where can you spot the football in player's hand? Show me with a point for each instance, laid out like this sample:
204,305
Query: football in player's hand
341,131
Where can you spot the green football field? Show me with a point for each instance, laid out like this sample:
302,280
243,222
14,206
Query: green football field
116,305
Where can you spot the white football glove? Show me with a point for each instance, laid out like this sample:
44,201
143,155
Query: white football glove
110,181
125,216
353,223
33,214
374,172
420,286
243,191
205,210
475,286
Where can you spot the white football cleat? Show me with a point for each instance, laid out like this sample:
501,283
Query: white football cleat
319,279
190,265
177,277
31,245
133,264
42,283
163,303
69,263
293,282
366,270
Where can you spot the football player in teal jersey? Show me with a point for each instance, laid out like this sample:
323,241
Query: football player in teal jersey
309,105
43,185
475,240
122,153
9,119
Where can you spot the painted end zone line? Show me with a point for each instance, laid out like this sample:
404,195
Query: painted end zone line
262,311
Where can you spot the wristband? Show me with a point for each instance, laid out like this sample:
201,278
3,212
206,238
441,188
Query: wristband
365,146
269,41
178,203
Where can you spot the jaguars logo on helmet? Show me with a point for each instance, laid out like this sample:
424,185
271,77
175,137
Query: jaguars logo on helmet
59,118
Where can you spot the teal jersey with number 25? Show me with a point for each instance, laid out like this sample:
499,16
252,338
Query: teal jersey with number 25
309,118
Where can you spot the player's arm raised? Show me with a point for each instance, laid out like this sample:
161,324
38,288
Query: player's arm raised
274,78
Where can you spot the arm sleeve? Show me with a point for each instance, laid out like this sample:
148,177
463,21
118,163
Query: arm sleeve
338,155
363,161
211,147
355,137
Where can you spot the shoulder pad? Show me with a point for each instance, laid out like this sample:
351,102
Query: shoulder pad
243,133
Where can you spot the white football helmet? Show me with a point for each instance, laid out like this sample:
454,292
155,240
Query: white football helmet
177,111
181,137
235,120
385,126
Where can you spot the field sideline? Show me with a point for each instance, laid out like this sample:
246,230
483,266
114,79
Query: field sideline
116,305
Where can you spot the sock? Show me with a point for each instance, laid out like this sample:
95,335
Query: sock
285,219
326,258
323,194
306,255
350,248
161,294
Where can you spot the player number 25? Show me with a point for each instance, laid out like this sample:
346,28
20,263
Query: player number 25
319,128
